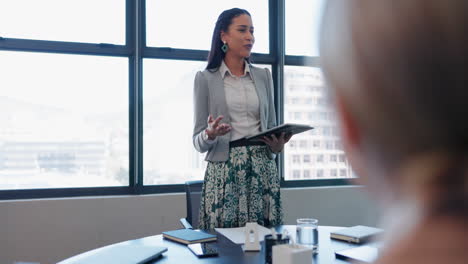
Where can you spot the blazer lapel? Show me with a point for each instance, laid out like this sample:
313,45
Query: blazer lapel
220,96
259,88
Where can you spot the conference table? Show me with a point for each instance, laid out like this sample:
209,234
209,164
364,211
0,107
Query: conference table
229,252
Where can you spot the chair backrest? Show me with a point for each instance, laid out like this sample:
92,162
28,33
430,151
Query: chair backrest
193,190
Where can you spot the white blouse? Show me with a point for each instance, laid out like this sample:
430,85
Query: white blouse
242,102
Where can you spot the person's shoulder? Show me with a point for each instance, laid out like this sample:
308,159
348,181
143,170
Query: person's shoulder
259,70
256,68
207,73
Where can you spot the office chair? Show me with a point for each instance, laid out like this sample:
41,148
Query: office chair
193,190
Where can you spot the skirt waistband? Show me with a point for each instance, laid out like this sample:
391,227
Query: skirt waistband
244,142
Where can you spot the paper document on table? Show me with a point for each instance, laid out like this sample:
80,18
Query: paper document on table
237,234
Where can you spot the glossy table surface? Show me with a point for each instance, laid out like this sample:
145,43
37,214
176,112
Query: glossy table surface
229,252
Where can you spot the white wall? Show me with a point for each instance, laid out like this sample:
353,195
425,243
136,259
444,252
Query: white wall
332,206
49,230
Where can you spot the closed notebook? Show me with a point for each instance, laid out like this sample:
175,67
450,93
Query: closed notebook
188,236
356,234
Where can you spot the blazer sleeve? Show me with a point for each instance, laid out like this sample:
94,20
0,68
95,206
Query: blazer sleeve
271,121
201,112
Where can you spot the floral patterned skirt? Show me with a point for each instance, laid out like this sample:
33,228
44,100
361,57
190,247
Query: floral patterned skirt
245,188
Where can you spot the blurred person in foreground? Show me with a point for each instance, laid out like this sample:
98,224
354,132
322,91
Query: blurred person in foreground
398,75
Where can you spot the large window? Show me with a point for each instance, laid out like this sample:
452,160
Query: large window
101,21
316,154
189,24
169,155
97,95
318,149
60,125
302,26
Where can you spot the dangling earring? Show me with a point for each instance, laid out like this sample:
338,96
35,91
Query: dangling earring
224,47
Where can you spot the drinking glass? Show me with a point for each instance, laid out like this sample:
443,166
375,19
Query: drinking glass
307,232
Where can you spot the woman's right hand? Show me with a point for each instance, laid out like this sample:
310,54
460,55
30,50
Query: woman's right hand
216,129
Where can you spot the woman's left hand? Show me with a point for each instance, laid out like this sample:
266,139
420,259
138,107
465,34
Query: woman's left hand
276,144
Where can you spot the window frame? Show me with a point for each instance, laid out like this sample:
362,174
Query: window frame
135,49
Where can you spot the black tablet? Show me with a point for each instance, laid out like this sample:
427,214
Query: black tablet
286,128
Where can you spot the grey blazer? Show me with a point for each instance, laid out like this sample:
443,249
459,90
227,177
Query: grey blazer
209,98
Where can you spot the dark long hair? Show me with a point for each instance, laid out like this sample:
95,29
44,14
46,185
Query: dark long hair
216,55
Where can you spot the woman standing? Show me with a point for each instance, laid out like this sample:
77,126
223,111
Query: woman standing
234,99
